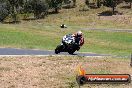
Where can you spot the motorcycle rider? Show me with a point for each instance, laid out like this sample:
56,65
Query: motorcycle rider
79,40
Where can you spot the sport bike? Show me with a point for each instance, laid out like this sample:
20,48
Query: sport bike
68,45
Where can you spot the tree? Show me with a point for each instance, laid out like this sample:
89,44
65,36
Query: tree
87,2
13,10
4,11
96,3
112,4
74,3
12,7
99,3
38,7
129,1
55,4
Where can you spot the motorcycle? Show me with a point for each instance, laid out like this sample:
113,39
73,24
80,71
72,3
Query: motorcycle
68,45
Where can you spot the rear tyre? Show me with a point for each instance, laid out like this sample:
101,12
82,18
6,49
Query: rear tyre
73,49
71,52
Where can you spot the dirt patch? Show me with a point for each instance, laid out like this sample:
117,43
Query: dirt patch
123,19
56,72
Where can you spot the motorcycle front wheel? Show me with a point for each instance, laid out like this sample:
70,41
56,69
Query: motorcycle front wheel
58,49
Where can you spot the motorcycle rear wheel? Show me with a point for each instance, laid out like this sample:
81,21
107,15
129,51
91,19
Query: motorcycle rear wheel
71,52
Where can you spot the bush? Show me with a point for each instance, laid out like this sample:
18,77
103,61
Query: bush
38,7
112,4
55,4
4,11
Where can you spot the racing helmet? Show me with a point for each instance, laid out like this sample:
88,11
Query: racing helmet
79,34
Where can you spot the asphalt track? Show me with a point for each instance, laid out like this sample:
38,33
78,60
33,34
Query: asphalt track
13,51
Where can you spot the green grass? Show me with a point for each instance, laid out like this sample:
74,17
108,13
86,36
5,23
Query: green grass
48,37
110,42
25,39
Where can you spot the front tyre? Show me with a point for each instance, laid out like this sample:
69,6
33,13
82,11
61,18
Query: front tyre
58,49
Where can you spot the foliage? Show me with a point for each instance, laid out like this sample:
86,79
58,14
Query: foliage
38,7
4,11
129,1
112,3
55,4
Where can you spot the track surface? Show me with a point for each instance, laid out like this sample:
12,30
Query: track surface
13,51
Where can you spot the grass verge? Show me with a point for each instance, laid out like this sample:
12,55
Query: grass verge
48,37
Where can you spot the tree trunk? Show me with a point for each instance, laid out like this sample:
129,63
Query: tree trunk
56,10
98,3
113,7
87,3
14,14
74,3
131,4
113,10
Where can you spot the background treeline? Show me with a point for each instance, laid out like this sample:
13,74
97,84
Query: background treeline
40,8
